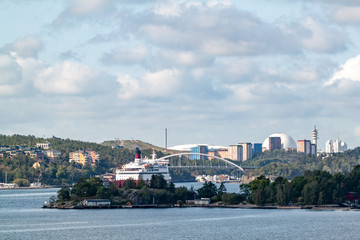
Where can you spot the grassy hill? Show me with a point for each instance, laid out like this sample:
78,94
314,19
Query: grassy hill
132,144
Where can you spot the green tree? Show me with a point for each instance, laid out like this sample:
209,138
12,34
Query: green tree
208,190
158,181
129,183
141,183
64,194
22,182
222,189
181,193
146,194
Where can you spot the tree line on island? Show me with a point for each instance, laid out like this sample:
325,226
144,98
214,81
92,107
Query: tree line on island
313,188
157,191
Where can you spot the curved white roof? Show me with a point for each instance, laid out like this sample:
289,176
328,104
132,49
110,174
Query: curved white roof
286,141
187,147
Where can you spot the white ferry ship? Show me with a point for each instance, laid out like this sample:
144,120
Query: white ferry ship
142,169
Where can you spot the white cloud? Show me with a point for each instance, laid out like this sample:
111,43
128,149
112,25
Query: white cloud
357,131
127,55
322,39
68,77
169,9
25,47
305,75
10,71
84,7
349,70
347,15
153,84
212,30
183,58
10,76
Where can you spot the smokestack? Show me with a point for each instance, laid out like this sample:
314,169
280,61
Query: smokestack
165,138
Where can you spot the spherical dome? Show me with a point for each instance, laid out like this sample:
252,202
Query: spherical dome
286,141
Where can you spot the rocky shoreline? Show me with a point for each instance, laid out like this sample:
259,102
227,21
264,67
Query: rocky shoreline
244,206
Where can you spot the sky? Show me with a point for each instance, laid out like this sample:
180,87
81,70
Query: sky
215,72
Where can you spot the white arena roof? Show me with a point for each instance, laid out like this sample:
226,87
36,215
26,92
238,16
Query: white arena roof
286,141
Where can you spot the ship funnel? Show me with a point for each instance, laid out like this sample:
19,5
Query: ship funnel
137,155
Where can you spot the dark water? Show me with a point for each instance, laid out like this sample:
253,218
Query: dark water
21,217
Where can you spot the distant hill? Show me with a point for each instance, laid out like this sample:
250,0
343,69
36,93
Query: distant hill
132,144
289,164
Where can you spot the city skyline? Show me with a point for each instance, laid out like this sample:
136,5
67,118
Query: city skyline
216,72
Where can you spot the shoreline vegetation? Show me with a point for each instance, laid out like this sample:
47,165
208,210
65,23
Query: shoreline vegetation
314,190
59,171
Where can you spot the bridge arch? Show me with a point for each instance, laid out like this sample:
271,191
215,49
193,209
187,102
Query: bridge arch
203,154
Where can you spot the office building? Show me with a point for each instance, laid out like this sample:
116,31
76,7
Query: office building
274,143
235,152
306,147
335,147
246,151
257,148
199,149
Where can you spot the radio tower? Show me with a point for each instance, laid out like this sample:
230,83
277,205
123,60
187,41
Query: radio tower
315,136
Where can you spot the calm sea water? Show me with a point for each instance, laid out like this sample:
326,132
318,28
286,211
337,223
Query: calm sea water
21,217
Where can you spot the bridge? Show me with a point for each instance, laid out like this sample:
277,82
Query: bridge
241,168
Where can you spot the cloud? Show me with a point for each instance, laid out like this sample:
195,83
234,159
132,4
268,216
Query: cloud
346,15
357,131
10,71
25,47
321,38
79,8
68,77
349,70
10,75
151,85
127,55
212,30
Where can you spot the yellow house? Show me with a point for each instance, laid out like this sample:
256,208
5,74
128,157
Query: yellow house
80,157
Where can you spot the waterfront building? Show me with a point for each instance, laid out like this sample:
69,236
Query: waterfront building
199,149
96,202
246,151
235,152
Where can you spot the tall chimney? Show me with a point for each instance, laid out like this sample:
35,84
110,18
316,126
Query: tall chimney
165,138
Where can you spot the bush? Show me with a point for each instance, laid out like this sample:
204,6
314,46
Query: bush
22,182
232,198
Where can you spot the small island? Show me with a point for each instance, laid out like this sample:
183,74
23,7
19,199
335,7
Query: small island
90,193
314,190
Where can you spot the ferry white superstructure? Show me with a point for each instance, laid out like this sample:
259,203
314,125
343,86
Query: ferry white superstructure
142,169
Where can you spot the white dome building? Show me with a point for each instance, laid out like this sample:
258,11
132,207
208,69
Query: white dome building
286,141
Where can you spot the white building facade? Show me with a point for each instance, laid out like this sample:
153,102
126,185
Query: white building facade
335,146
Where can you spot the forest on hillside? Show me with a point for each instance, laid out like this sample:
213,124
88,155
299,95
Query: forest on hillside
287,164
62,171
